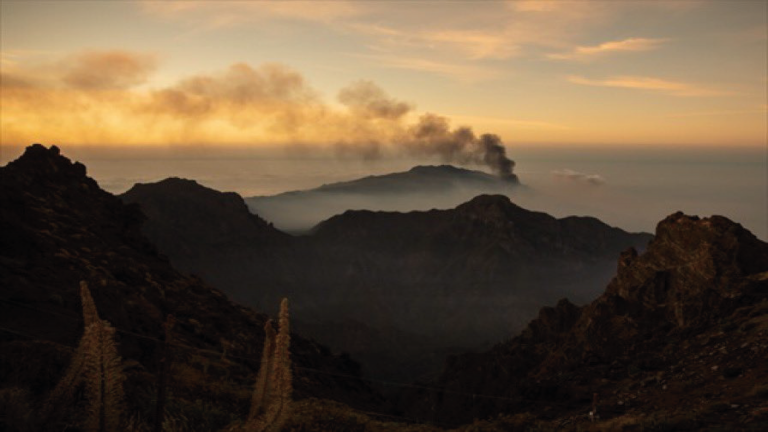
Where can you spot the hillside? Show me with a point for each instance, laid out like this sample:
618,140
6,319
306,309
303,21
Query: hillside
486,252
57,227
456,278
679,334
213,235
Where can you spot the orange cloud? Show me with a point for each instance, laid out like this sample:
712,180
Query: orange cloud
95,100
266,88
88,70
459,71
107,69
626,45
242,105
215,14
673,88
366,99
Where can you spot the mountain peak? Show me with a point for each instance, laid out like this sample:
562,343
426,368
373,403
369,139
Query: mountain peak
489,200
495,208
199,211
175,185
39,162
438,168
454,171
181,182
693,269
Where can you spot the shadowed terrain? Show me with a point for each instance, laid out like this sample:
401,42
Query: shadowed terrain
57,227
679,332
421,283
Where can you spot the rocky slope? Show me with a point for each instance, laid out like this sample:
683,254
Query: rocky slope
57,227
213,235
420,188
469,271
681,333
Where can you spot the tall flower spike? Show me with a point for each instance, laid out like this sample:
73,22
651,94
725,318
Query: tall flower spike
271,402
282,353
90,314
261,392
97,365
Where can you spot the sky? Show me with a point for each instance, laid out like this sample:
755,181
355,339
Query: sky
367,76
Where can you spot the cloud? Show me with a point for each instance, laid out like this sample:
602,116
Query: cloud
458,71
217,14
758,110
367,99
211,15
474,44
95,100
268,87
457,40
491,33
509,122
107,69
626,45
578,177
673,88
12,57
87,70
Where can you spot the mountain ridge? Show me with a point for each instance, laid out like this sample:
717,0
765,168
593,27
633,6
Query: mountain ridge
420,188
363,265
670,319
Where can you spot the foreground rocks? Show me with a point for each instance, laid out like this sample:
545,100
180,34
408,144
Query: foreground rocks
680,333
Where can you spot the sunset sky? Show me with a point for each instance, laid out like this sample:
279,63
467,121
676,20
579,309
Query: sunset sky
361,74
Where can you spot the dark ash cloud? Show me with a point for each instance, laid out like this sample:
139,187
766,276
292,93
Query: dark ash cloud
433,136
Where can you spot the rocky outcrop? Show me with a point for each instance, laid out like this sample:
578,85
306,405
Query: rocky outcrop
699,281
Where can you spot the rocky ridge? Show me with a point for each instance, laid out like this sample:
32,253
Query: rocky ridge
681,333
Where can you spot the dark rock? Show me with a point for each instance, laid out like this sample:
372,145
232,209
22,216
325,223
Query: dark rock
695,273
57,227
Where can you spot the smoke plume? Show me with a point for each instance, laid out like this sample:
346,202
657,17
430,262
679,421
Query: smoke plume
368,100
432,136
372,109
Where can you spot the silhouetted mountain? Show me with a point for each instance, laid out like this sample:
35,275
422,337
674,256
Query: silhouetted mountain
450,278
213,235
57,227
422,178
420,188
679,333
457,263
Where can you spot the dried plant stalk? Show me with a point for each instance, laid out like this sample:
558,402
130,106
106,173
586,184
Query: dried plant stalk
271,402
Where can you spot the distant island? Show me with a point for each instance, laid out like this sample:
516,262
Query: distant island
422,187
